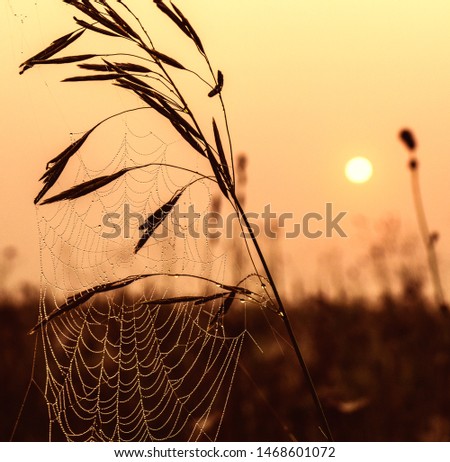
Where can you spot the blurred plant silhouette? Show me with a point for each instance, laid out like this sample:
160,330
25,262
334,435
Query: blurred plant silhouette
379,379
429,238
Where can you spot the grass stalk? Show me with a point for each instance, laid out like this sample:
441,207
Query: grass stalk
429,239
171,103
283,313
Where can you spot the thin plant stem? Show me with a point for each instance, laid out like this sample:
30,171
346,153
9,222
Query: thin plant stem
282,311
429,239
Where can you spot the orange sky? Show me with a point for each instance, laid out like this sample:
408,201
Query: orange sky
308,85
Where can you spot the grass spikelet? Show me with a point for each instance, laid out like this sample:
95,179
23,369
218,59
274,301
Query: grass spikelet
82,297
197,299
155,219
58,164
190,31
95,28
218,88
89,186
408,139
221,152
158,56
87,78
88,9
52,49
64,60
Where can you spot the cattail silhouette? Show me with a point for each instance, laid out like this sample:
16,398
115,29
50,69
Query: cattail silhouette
408,138
429,238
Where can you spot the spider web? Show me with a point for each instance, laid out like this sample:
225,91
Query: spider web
140,345
125,365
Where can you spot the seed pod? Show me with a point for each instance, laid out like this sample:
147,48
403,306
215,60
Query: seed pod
408,138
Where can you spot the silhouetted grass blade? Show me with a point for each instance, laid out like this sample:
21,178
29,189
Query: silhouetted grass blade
52,49
168,12
94,28
218,88
237,289
144,94
127,67
59,163
181,21
121,22
136,84
84,78
131,67
94,67
188,133
197,299
218,173
70,150
89,186
64,60
87,8
158,56
221,152
190,30
147,94
202,299
81,297
159,102
209,298
155,219
72,302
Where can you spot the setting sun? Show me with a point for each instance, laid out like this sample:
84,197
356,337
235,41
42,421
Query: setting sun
358,170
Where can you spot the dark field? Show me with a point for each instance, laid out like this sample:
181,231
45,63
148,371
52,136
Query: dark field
382,373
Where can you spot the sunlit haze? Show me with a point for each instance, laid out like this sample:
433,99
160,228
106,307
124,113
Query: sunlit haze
308,85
